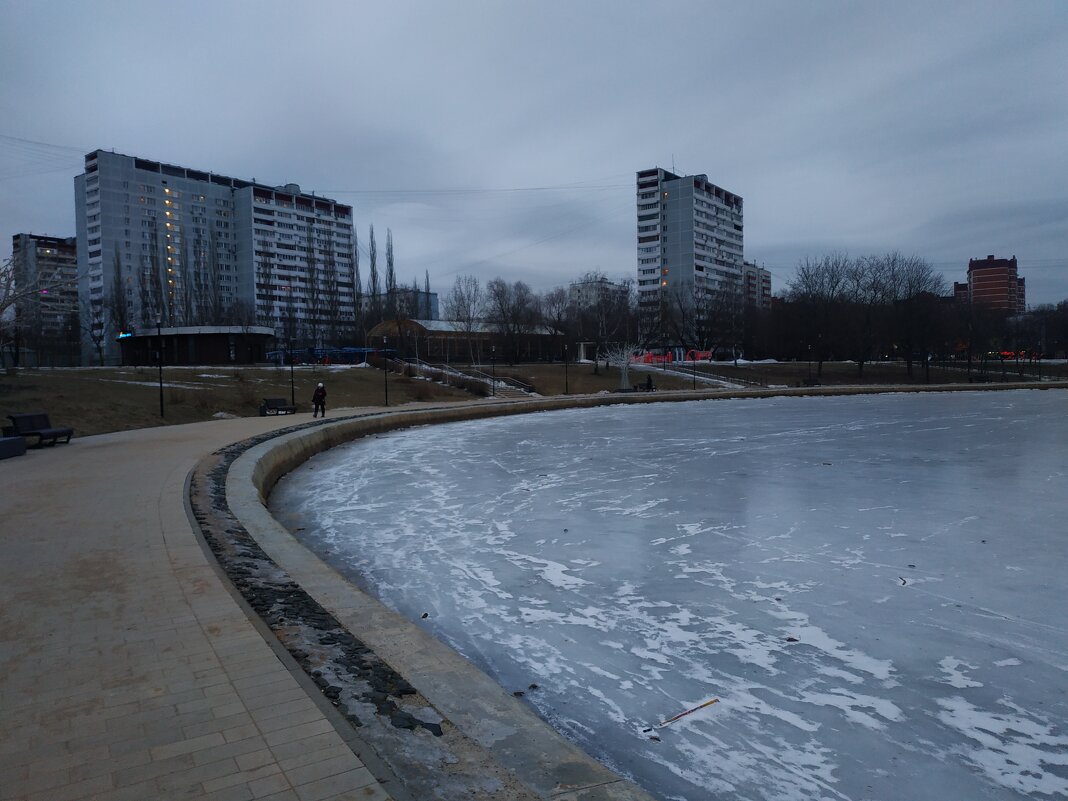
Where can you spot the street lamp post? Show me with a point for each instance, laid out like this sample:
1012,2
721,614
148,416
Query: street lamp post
694,365
565,370
493,359
159,342
385,370
289,355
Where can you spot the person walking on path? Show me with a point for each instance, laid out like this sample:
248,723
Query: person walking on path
319,401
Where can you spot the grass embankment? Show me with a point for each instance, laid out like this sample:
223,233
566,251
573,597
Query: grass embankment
99,400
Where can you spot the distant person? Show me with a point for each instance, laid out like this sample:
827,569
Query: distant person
319,401
648,383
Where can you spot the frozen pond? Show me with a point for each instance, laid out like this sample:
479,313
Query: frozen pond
874,587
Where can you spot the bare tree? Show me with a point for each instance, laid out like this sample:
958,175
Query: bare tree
118,311
18,291
96,325
602,317
391,279
912,290
464,308
374,290
513,311
865,293
819,289
358,316
558,313
619,354
265,269
704,318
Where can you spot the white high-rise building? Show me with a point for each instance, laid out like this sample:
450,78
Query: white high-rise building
689,238
157,242
757,286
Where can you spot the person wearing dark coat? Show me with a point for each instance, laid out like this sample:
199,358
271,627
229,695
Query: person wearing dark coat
319,401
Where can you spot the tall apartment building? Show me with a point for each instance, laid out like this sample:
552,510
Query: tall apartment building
193,248
756,286
689,238
47,321
993,283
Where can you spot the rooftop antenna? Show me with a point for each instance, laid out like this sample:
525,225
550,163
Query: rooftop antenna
673,163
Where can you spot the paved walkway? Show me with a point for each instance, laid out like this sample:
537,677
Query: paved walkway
127,669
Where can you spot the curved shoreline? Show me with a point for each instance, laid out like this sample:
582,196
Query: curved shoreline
492,732
485,731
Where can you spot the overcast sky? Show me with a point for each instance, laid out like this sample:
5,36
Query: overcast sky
499,138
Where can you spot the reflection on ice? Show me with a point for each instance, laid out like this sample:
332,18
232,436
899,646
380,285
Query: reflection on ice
872,586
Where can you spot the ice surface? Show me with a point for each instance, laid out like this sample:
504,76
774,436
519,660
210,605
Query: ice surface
873,586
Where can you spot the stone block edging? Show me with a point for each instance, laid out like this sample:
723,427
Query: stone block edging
523,755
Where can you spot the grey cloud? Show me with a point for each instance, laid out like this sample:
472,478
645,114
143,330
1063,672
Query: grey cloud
929,128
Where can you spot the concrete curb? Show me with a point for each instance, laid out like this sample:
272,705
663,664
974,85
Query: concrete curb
511,736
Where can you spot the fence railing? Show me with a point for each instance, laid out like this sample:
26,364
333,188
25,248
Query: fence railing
502,380
447,374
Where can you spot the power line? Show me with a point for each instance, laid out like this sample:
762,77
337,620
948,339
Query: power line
475,190
44,145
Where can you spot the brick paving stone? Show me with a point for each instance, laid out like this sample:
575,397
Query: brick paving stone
285,795
142,791
110,764
238,750
322,770
309,756
280,709
152,770
195,776
371,792
300,752
239,792
241,732
186,746
139,676
255,759
242,776
341,783
269,786
306,714
26,783
217,725
256,701
73,792
291,733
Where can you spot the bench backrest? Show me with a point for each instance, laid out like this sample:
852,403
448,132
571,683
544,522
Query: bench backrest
31,421
274,403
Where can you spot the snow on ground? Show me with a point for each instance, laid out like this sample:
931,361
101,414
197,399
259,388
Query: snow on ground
873,586
170,384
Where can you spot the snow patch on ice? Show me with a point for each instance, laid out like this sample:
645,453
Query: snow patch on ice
1014,749
955,677
854,704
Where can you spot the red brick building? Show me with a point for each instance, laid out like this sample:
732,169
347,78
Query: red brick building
995,284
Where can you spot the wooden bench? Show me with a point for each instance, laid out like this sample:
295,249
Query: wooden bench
276,406
37,424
